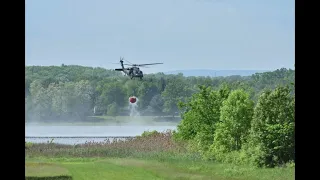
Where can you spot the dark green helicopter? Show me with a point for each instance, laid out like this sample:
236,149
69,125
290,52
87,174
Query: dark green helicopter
133,71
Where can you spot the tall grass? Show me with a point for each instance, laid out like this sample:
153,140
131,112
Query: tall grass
153,145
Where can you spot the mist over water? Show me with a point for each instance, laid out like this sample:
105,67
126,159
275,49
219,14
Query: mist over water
74,134
86,132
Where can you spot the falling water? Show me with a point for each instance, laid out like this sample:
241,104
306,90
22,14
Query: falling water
133,107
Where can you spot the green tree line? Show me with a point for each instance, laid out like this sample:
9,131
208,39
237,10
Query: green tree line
227,125
75,92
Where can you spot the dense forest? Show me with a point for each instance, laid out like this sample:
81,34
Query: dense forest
72,93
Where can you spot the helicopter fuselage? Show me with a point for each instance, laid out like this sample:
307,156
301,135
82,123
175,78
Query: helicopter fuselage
133,72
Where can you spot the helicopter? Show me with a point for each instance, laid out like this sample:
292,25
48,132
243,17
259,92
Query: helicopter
133,71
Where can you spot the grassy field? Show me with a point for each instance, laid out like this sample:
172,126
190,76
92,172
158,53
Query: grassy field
119,120
154,156
133,168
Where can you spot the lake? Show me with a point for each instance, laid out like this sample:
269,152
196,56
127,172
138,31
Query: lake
81,134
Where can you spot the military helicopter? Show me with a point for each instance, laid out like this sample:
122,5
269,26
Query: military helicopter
134,71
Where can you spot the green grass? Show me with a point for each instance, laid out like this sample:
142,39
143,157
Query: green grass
136,169
49,178
151,156
46,171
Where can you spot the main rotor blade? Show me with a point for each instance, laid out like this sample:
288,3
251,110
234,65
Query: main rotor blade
148,64
128,62
113,63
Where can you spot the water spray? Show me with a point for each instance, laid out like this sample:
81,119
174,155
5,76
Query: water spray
133,106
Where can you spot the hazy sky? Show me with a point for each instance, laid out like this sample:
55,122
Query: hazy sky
183,34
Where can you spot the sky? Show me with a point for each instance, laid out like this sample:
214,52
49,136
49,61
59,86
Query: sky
182,34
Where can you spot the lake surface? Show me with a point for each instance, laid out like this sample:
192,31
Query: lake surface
83,133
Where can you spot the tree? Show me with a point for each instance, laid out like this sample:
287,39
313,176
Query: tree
235,121
273,128
83,91
200,115
111,92
113,110
156,104
176,91
41,101
132,87
146,92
